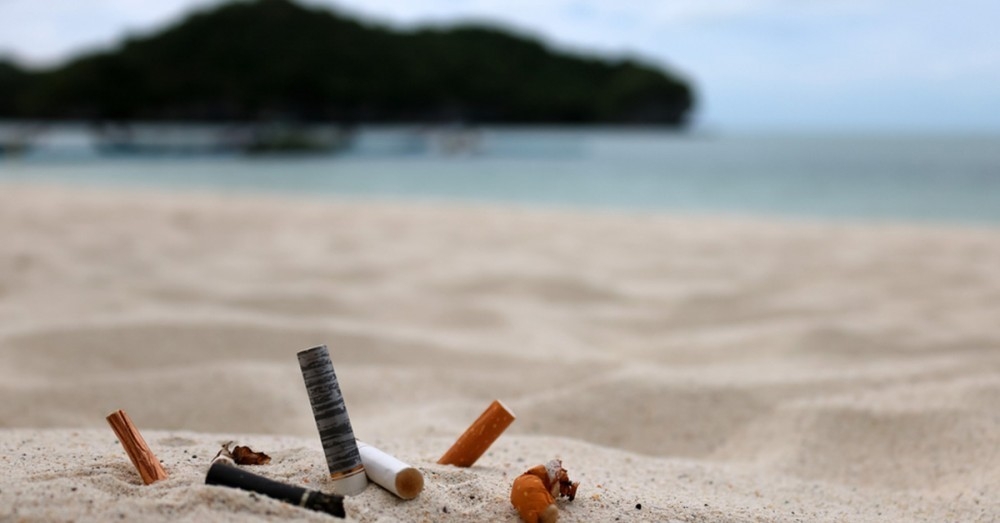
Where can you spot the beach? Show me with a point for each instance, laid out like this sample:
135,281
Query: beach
684,368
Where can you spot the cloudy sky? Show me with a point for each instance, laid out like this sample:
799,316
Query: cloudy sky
873,65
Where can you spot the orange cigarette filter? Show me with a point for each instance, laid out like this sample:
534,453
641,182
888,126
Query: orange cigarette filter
534,493
474,442
534,502
135,446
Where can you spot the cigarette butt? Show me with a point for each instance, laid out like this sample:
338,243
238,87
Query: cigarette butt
479,436
229,475
135,446
390,473
334,425
534,493
534,503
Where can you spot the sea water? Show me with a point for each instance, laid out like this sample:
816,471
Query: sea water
948,179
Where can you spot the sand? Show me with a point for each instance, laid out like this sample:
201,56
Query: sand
684,368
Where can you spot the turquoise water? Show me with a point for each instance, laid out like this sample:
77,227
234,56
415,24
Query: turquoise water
926,178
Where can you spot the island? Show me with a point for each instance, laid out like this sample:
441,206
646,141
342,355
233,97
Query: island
277,60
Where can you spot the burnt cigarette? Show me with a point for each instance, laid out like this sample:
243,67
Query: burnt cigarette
222,473
390,473
479,436
335,432
135,446
225,456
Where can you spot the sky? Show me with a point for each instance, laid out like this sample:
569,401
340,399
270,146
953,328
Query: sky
827,65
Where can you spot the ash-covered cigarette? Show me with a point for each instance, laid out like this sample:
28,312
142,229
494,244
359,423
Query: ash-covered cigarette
332,421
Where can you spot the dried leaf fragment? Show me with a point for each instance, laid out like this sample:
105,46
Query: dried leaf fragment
241,455
246,456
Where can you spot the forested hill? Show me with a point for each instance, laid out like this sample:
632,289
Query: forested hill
275,59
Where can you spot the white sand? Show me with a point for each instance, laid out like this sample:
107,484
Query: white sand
710,369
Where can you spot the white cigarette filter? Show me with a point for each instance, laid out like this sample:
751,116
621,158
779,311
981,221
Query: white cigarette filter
390,473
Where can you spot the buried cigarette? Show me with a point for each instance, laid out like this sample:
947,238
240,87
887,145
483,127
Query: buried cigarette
225,473
479,436
135,446
390,473
335,432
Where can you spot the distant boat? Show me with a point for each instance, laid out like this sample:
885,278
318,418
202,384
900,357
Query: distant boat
196,140
13,148
281,138
157,139
455,141
17,141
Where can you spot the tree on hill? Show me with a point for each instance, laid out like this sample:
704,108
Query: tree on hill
268,59
12,84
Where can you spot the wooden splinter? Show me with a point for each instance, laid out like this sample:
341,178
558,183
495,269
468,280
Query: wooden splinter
142,458
474,442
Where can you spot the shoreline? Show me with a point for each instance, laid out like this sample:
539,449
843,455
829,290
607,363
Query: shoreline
204,195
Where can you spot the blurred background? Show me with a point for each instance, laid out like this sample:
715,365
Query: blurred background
848,110
736,293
